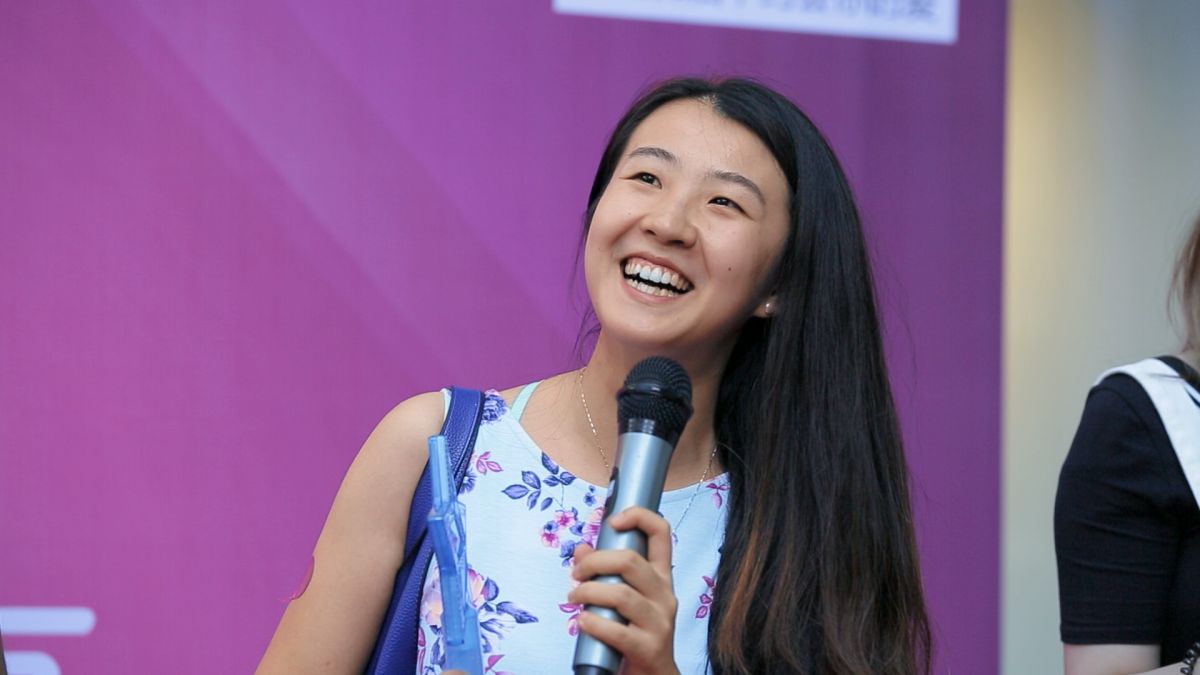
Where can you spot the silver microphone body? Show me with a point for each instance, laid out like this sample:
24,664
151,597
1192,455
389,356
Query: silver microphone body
637,480
653,407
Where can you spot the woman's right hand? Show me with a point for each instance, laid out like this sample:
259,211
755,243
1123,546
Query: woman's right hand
646,599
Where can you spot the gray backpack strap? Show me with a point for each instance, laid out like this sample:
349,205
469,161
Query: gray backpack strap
1175,400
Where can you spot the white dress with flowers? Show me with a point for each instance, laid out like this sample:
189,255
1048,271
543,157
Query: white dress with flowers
524,516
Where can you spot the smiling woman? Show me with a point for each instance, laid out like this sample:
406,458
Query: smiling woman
721,233
699,199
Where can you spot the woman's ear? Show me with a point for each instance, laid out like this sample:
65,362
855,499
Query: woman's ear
766,309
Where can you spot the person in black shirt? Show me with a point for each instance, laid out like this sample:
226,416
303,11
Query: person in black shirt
1127,519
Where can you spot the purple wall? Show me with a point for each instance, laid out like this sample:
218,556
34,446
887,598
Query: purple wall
232,235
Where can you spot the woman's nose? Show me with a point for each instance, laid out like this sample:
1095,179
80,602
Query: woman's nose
671,224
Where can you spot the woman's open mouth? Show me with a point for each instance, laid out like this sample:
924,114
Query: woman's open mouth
654,279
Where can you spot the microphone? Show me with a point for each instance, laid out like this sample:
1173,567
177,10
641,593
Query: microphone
652,409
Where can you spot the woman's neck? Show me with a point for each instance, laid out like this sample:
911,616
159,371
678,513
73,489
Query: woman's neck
1191,357
605,374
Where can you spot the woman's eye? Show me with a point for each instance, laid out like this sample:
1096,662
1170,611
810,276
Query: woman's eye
726,201
647,178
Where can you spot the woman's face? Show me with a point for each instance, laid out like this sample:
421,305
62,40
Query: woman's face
686,233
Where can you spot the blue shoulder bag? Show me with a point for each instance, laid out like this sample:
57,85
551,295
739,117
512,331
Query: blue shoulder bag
396,647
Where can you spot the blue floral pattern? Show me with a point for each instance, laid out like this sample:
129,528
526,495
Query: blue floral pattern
558,533
494,406
513,492
530,487
497,618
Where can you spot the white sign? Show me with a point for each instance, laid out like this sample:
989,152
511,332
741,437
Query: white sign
42,622
911,20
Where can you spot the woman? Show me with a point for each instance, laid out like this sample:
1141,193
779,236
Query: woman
1126,520
720,232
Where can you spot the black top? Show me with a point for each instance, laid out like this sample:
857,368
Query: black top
1127,528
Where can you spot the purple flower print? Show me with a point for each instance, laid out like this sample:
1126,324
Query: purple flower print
494,406
484,464
566,551
716,490
587,530
480,465
550,534
420,646
572,611
706,598
565,518
567,523
496,619
590,530
554,533
491,663
468,482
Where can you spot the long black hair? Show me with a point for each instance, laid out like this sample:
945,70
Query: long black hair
819,570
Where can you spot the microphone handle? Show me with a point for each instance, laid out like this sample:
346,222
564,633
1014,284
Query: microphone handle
637,480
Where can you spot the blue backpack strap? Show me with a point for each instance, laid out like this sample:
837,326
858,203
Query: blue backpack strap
460,428
396,646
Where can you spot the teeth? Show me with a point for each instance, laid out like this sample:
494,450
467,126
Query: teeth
658,275
652,290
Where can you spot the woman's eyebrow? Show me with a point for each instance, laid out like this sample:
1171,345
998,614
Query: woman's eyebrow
655,152
738,179
719,174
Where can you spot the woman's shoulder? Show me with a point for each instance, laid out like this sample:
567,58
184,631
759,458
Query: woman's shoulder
1118,411
394,454
1119,394
1121,441
413,419
1120,402
1128,384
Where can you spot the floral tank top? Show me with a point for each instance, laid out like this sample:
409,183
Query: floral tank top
524,517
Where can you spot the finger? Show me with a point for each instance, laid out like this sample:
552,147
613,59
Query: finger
634,643
620,562
657,617
581,551
657,530
622,598
631,567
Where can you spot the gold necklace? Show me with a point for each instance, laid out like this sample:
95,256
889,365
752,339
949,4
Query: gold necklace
604,457
586,411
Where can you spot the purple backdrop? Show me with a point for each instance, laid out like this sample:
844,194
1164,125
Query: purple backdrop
233,235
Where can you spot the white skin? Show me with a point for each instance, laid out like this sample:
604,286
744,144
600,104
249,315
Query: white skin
1114,660
695,194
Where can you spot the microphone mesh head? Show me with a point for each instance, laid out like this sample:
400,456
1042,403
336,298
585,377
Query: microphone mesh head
657,389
